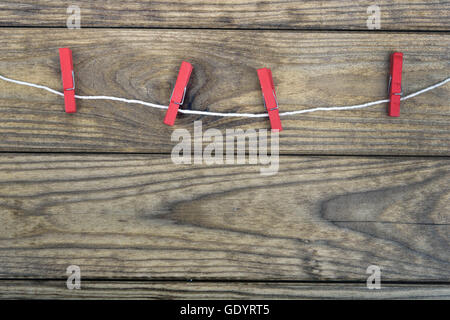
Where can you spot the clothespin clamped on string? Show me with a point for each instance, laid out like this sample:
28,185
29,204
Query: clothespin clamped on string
179,92
395,84
68,79
270,98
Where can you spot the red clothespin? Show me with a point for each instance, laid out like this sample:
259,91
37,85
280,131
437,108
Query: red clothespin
179,92
68,79
270,98
395,84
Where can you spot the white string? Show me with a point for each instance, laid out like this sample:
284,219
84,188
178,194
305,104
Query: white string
219,114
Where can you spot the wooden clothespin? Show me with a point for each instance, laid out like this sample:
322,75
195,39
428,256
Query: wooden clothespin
395,84
270,98
68,79
179,92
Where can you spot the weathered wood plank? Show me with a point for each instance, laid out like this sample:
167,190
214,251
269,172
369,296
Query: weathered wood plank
42,289
310,70
285,14
139,216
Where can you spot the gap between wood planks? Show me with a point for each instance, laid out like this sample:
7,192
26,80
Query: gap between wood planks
332,155
218,280
301,30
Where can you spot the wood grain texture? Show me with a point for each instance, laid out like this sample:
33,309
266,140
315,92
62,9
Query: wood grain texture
141,217
310,70
43,289
285,14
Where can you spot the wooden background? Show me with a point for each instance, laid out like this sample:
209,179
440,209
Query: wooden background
98,188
